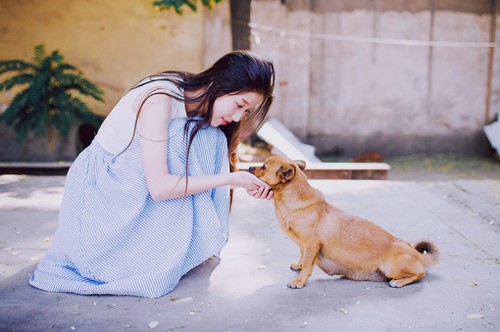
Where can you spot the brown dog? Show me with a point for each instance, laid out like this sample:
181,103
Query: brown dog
339,243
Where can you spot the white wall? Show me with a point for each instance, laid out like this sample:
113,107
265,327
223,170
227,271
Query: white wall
344,88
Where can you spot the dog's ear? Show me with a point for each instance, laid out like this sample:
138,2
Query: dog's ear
301,164
286,172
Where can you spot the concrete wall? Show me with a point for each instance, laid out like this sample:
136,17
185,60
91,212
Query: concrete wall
347,84
115,43
340,85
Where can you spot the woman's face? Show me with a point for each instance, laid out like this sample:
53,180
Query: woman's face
231,108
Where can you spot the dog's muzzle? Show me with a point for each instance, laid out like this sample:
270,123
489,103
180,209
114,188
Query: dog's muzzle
251,169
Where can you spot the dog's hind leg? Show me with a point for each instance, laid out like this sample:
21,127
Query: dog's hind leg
398,283
310,252
403,266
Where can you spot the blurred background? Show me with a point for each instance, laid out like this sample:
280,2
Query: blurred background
393,76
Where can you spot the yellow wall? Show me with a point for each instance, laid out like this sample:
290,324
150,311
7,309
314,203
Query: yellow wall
115,43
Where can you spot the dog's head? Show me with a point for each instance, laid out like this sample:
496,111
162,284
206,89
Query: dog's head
278,170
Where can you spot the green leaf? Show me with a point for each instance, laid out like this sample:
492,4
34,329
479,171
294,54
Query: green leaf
39,53
20,79
16,66
210,3
50,99
40,126
177,5
80,84
14,108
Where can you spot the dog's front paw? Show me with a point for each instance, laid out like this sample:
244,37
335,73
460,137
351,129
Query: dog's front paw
296,266
296,284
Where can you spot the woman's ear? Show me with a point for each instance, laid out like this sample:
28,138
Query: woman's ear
301,164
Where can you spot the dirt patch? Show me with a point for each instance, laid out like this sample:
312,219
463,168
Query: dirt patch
443,167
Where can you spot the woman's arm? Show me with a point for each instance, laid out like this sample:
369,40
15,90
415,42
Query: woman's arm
154,119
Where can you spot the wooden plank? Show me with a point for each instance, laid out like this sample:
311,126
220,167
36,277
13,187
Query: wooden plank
358,171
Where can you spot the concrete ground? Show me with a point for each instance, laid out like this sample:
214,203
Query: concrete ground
246,290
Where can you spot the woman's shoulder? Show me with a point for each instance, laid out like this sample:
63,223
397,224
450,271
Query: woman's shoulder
158,82
158,91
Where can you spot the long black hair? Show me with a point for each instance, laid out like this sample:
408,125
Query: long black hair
234,73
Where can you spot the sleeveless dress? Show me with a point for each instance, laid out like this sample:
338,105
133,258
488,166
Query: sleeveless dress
112,237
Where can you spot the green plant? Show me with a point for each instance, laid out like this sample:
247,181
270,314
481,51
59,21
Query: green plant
48,97
178,4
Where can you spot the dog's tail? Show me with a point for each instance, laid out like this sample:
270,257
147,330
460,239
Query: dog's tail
429,253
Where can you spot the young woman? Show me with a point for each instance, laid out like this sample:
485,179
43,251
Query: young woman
149,199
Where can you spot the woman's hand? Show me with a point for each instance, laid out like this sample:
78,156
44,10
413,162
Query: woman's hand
254,186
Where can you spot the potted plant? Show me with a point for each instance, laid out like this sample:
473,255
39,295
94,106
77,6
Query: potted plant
47,96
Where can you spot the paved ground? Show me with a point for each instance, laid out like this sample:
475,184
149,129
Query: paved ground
246,290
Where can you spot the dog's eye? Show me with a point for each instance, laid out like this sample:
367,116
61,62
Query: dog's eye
263,167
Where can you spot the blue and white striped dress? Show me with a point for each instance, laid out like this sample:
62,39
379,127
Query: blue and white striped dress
113,238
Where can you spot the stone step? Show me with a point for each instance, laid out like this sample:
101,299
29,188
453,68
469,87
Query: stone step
285,143
35,168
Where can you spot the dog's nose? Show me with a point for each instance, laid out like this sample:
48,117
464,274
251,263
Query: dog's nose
251,169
